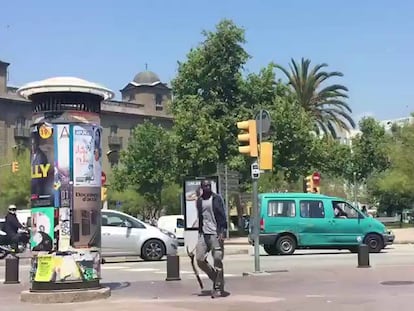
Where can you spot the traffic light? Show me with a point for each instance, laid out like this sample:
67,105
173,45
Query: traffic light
104,194
311,183
266,156
308,184
250,137
15,166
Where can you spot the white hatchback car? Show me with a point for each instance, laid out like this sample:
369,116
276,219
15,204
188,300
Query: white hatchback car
124,235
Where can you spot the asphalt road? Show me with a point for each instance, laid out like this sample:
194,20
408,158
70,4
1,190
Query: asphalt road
308,281
236,265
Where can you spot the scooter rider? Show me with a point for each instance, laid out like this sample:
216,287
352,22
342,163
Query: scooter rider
11,227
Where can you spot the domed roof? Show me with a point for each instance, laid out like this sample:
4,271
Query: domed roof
146,77
64,84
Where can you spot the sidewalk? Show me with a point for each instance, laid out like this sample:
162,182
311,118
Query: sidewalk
317,290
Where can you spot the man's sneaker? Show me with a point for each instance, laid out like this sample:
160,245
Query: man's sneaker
216,293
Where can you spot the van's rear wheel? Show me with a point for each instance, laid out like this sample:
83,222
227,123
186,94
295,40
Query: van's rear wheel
286,245
374,242
270,249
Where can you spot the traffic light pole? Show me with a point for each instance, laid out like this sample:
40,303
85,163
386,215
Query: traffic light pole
256,215
256,230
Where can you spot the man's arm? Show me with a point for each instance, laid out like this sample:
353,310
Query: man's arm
220,215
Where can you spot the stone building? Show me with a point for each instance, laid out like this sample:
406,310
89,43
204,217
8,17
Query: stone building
144,98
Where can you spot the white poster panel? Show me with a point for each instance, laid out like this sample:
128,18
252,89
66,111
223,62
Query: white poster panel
192,192
87,155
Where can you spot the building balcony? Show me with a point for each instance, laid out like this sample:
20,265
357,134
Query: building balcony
21,132
115,141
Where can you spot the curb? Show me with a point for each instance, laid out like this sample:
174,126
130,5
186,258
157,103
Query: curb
65,296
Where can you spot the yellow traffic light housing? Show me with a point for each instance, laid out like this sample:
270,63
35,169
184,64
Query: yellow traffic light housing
250,137
308,187
266,156
15,166
104,193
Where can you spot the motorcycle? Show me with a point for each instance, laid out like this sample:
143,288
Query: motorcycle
5,245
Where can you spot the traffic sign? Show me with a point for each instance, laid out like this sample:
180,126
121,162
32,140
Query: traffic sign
316,178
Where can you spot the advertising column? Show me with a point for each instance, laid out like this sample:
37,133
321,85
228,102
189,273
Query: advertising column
66,166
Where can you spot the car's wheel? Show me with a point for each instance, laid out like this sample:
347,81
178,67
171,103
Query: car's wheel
286,245
374,242
270,249
153,250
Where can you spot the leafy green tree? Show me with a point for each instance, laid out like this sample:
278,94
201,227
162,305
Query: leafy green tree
131,202
370,151
15,187
207,100
294,148
326,104
394,187
171,199
147,165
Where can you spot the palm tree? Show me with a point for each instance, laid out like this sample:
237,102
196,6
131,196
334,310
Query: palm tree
326,105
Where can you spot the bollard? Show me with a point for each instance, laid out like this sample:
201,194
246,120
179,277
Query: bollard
363,256
173,268
12,270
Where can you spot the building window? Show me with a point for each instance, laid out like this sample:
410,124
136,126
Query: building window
113,130
20,122
312,209
158,102
281,208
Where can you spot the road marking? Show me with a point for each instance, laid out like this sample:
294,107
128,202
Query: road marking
141,269
181,272
315,296
104,267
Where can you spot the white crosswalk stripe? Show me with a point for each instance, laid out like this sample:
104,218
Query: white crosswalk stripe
129,268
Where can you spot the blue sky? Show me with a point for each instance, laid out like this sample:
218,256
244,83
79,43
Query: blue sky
370,41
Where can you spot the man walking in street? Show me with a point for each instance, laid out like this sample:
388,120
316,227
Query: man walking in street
212,225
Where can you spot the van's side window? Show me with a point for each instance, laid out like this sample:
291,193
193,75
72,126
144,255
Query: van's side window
344,210
281,208
312,209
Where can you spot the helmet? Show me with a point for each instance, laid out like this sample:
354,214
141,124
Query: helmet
12,208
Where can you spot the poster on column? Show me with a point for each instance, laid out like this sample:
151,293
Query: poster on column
42,158
192,192
42,230
62,184
82,266
86,218
87,155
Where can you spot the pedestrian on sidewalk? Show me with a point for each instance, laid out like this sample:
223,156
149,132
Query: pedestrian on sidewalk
212,225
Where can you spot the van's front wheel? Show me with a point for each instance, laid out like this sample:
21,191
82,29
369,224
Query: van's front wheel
286,245
270,249
374,242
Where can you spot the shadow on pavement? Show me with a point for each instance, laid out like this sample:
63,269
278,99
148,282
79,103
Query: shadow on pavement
206,293
117,285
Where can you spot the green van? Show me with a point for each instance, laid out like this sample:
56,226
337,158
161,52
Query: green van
290,221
